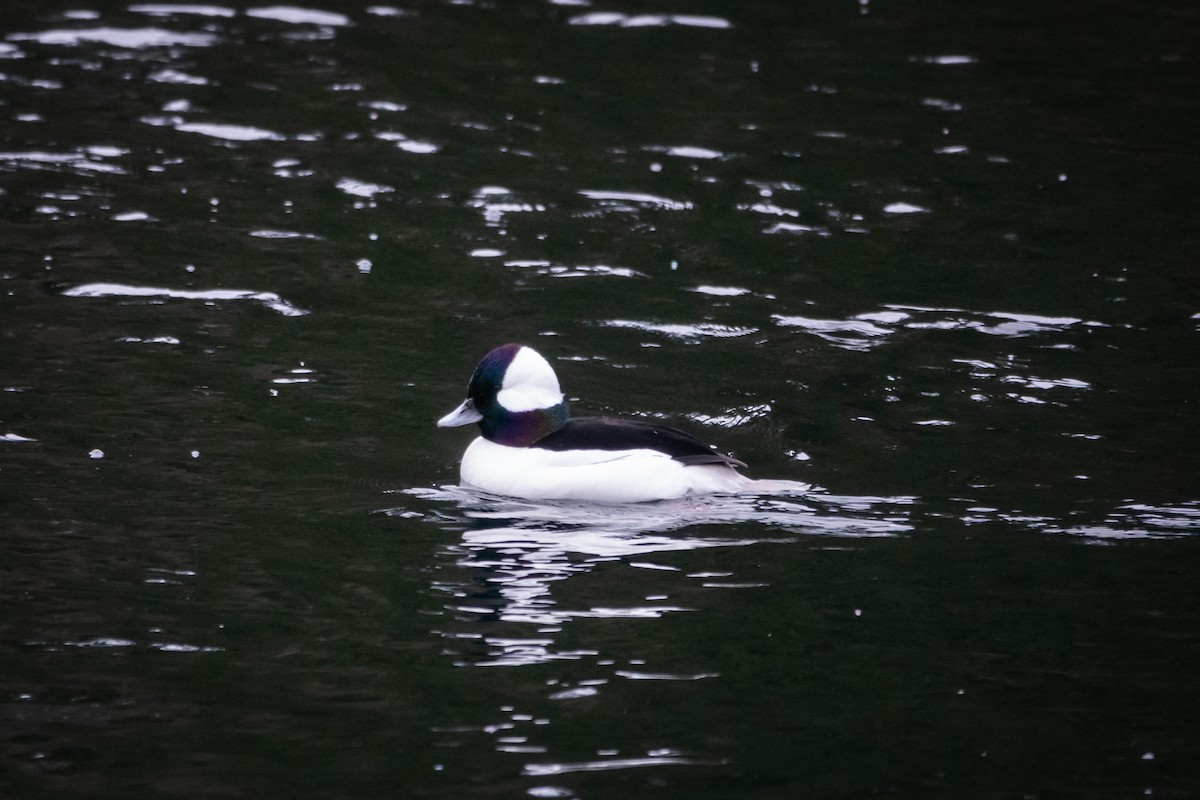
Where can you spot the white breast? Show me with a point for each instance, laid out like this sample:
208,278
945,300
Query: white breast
599,476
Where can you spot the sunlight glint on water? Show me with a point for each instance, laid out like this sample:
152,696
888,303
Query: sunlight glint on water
909,254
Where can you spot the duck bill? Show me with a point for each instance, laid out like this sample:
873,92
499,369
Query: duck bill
465,414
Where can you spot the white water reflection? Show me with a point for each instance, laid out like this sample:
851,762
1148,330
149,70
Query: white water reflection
406,144
685,151
1134,521
267,299
514,552
721,291
689,333
544,770
129,38
172,9
635,528
732,417
1008,378
856,333
359,188
870,329
107,642
228,132
1129,521
904,208
553,270
944,60
82,160
634,201
273,234
496,202
299,16
649,20
390,11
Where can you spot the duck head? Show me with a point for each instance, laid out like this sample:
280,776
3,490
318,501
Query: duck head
514,396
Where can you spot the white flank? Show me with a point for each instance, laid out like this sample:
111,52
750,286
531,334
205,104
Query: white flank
597,476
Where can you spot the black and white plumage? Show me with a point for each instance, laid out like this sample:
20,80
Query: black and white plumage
531,448
609,433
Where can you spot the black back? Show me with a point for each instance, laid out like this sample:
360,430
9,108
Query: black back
606,433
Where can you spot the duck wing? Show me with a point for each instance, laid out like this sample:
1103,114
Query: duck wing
608,433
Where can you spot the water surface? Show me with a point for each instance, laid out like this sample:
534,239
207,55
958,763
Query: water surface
937,262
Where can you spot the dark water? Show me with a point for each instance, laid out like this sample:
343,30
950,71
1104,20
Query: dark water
937,260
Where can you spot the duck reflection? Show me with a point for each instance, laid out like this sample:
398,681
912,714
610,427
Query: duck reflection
512,553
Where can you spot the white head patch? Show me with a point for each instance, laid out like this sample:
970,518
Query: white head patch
529,383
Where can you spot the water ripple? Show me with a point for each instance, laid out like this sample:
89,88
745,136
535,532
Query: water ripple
733,417
229,132
299,16
632,529
633,201
664,676
855,333
273,234
363,188
575,271
129,38
689,333
517,551
268,299
865,331
544,770
1129,521
1137,521
720,291
612,18
174,9
496,202
407,144
83,160
685,151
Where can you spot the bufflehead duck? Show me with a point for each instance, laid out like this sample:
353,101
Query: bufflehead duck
533,449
